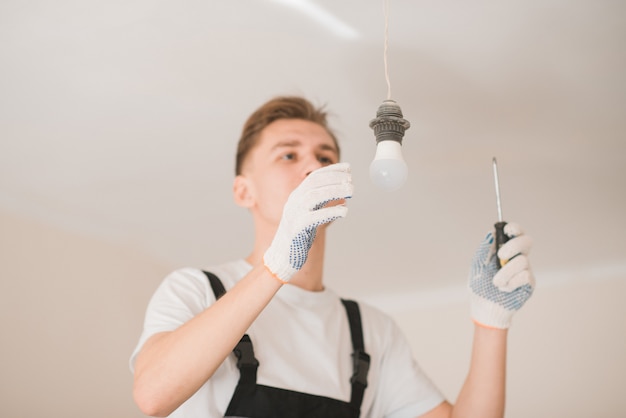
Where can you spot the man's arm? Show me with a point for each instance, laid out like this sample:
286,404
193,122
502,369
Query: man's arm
172,366
496,294
483,393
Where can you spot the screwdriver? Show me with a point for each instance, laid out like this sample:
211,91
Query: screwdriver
501,237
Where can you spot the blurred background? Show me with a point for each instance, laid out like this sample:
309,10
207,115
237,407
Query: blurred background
118,128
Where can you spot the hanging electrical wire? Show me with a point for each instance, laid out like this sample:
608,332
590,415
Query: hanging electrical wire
386,47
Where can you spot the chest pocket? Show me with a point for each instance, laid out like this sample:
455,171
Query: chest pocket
251,400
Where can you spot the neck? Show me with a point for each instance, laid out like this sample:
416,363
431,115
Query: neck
310,276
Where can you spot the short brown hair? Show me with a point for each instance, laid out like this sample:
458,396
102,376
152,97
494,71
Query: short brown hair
282,107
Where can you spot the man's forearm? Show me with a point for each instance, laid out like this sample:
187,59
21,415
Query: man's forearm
483,393
172,366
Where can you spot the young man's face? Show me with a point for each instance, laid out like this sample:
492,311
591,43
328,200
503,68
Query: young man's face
287,151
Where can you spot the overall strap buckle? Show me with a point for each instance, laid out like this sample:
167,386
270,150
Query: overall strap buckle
361,366
245,353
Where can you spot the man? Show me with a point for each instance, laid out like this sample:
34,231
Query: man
295,357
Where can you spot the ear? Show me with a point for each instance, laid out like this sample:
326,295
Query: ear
242,193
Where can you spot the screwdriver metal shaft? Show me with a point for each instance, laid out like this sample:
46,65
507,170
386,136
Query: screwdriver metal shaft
501,237
497,184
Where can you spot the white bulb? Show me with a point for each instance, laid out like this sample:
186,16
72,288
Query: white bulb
388,170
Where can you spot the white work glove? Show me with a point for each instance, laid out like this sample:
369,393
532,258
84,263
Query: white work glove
304,211
496,294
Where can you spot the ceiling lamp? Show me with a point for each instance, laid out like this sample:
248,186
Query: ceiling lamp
388,170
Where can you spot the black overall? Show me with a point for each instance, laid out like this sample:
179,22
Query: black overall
258,401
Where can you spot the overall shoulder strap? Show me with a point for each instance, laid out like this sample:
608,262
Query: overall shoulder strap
360,359
246,362
216,284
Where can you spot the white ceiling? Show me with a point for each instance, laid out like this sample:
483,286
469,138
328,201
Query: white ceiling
119,119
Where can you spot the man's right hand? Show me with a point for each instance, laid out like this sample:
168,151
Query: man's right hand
305,210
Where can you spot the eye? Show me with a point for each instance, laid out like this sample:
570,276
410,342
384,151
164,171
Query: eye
325,160
289,156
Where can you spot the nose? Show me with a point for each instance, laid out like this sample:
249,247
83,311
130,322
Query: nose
311,164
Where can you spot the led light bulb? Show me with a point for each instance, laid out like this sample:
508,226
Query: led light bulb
388,170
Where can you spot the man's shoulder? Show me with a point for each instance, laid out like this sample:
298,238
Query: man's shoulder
229,273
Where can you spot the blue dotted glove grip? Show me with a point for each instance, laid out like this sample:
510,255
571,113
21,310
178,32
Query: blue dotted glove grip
491,306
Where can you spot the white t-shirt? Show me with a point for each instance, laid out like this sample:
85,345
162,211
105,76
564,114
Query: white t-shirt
302,341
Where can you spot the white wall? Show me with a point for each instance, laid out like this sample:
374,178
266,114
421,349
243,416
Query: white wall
71,311
70,314
567,348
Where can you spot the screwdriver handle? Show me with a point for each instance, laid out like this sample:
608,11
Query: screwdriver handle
501,239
